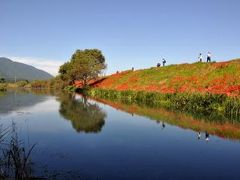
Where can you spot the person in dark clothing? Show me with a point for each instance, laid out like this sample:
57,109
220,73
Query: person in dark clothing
163,125
164,61
206,136
209,55
158,64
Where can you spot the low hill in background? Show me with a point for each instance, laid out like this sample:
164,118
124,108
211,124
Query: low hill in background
10,69
216,78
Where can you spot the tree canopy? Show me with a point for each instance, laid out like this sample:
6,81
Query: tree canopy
2,80
84,66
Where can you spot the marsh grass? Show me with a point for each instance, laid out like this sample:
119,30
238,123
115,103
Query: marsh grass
15,159
213,106
3,87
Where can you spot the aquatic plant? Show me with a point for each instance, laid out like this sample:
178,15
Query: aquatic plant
15,159
213,106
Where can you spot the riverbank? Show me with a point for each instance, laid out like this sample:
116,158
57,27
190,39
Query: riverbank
212,106
209,90
3,87
213,78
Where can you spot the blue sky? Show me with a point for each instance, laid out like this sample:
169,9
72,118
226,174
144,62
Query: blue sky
135,33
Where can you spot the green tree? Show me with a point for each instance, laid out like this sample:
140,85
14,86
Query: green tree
64,71
2,80
85,65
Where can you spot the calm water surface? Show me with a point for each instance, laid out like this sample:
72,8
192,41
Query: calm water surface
98,141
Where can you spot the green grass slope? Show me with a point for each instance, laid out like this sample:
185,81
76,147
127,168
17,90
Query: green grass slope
216,78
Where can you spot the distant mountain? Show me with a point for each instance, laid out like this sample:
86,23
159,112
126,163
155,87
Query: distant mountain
10,69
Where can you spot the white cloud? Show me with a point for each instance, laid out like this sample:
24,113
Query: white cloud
48,65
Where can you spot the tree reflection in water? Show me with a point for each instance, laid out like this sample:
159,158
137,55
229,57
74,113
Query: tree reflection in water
84,115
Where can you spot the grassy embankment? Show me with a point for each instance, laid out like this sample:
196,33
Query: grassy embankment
209,89
215,78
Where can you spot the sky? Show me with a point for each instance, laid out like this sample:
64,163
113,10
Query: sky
130,33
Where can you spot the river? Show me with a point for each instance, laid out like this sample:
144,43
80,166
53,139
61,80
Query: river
80,137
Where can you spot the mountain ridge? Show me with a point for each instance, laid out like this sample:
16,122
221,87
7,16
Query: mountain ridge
10,69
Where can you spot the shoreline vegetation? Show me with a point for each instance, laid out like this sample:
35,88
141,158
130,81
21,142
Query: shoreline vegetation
199,77
230,130
211,89
3,87
210,106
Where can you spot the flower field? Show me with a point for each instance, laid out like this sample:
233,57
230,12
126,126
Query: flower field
213,78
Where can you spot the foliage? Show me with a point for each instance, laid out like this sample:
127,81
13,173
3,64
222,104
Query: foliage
3,87
55,83
70,88
15,160
2,80
41,84
213,106
22,83
84,66
214,78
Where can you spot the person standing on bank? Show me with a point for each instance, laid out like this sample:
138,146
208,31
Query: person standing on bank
209,55
164,61
200,58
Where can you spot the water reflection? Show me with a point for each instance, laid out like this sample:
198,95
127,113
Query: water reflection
127,142
2,93
15,100
199,135
206,136
84,115
225,129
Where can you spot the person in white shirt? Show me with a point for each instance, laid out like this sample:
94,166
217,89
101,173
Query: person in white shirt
209,57
200,58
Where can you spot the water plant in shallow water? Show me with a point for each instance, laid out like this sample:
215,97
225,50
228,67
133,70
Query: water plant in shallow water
15,159
212,106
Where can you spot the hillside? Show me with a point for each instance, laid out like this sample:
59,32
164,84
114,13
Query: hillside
9,69
216,78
